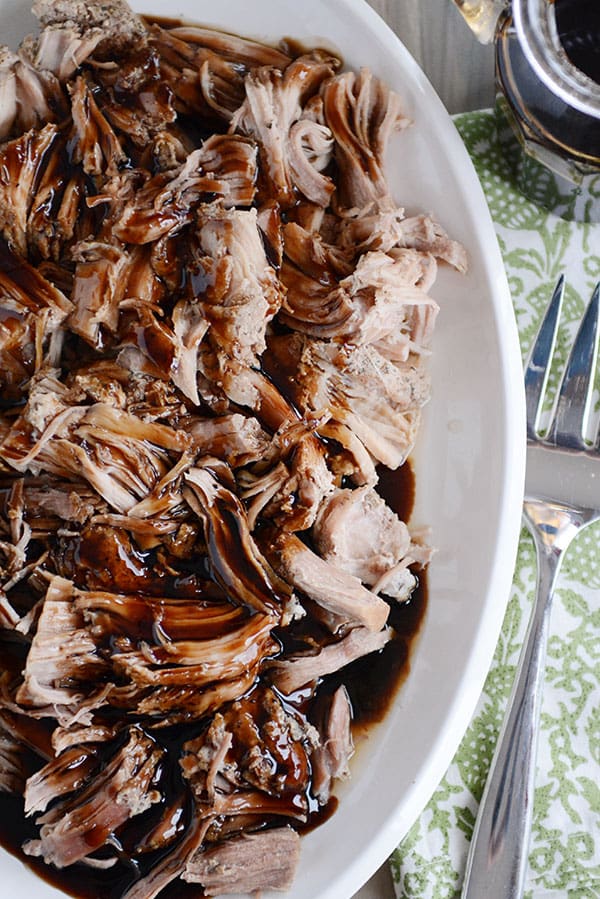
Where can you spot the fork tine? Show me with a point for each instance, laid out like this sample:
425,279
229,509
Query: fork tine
538,366
575,394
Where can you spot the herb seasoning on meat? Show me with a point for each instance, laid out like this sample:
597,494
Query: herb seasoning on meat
213,321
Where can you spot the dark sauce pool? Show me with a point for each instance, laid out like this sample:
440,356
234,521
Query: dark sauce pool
555,124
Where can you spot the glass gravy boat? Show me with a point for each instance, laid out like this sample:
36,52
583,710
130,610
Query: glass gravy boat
548,91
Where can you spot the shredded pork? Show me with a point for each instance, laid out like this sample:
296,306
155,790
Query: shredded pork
214,327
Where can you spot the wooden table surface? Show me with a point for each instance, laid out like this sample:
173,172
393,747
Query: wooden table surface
462,72
460,69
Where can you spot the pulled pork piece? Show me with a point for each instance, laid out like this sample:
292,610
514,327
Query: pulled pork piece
70,501
171,864
376,227
9,617
57,213
76,827
224,166
244,386
351,460
61,49
201,82
317,259
237,564
359,533
310,152
301,669
388,310
121,456
259,489
240,50
295,503
266,860
141,108
250,764
254,744
160,619
98,289
121,29
23,289
379,401
64,774
329,586
21,162
78,735
232,158
63,664
8,91
383,227
273,104
17,348
238,439
204,759
125,567
426,235
167,351
95,144
269,222
380,302
206,69
200,662
14,549
330,759
189,328
311,272
242,293
362,113
178,705
29,96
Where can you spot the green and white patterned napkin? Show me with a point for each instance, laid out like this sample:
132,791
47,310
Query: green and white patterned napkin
564,860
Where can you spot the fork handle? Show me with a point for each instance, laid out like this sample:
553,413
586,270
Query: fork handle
497,859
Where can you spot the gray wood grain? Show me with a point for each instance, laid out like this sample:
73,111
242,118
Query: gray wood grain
381,886
460,68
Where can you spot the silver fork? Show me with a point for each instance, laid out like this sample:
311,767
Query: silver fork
562,495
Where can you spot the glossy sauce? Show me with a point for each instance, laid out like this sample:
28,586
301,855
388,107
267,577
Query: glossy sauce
100,558
554,123
373,682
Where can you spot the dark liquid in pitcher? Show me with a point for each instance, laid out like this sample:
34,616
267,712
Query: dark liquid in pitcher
553,122
578,24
